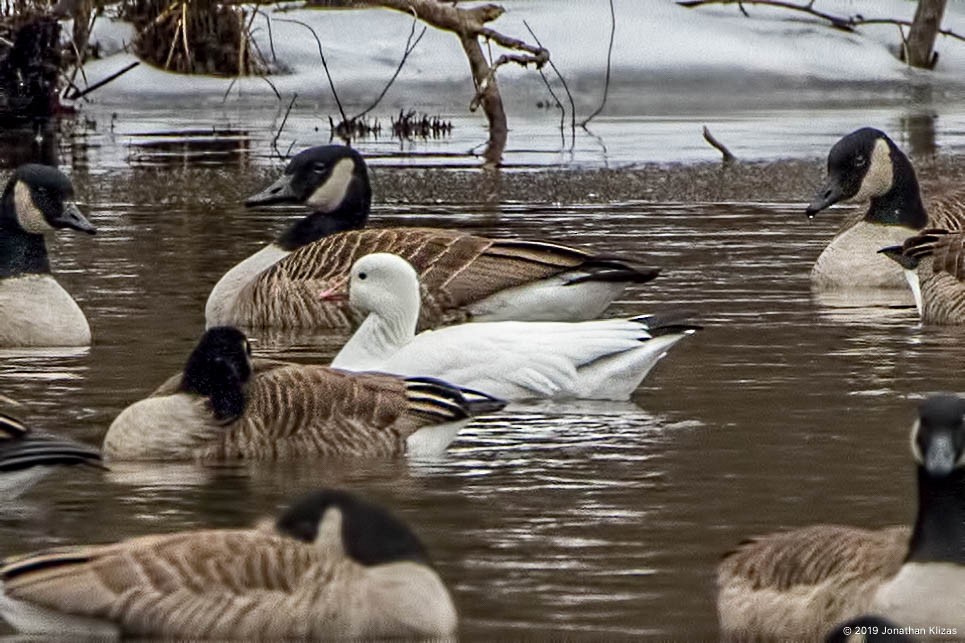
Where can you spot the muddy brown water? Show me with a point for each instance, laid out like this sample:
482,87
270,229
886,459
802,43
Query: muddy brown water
581,520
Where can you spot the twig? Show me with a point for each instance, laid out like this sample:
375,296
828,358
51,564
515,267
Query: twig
609,58
228,91
559,106
184,37
566,88
845,23
321,53
836,21
274,141
271,84
720,147
79,67
174,42
271,39
409,48
103,82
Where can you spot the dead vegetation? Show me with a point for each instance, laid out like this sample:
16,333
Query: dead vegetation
194,36
30,63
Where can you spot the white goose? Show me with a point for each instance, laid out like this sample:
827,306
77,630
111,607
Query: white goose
601,360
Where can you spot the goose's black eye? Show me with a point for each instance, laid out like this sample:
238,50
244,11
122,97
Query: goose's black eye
859,161
362,275
318,168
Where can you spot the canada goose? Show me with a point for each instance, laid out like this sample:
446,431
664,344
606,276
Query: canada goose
224,407
934,266
464,277
27,457
331,567
866,165
797,585
603,359
34,309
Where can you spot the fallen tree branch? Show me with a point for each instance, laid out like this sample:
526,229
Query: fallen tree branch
845,23
103,82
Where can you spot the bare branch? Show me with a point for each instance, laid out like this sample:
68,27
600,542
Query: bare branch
103,82
321,54
409,48
836,21
274,141
566,88
609,58
845,23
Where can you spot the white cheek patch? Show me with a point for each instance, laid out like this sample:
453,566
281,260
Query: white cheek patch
29,216
329,195
329,536
915,451
880,175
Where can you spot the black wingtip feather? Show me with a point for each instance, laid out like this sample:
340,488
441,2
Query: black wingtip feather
605,271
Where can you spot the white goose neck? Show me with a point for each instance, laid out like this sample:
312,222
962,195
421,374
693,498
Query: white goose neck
381,335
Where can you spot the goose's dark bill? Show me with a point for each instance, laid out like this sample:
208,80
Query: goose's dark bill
829,194
281,191
71,217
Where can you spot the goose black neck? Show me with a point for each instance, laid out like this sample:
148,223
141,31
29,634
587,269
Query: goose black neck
902,204
220,383
20,252
314,227
939,534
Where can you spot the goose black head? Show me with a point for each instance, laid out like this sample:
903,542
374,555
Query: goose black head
218,368
370,535
37,200
329,179
860,167
938,437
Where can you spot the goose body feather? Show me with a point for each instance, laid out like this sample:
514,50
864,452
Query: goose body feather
250,584
36,311
936,274
513,360
604,359
464,278
800,584
292,411
797,585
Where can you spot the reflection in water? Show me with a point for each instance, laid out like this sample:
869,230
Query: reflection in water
599,519
36,144
188,148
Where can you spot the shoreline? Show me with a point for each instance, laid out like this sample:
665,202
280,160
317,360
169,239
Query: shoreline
784,181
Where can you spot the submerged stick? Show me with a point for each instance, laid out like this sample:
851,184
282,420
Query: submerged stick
101,83
720,147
